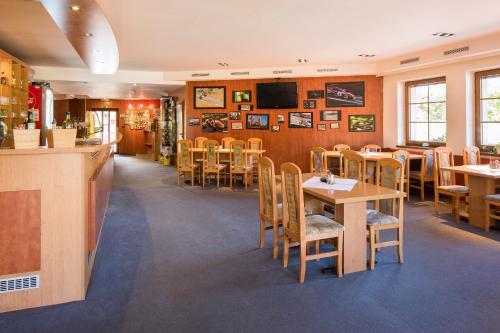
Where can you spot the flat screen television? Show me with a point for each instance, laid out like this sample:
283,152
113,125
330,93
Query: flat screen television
277,95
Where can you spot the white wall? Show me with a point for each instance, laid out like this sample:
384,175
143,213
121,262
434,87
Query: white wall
459,101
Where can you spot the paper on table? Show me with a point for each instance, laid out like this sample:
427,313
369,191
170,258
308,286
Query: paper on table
341,184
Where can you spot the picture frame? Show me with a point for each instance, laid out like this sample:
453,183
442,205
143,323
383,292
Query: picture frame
275,128
257,121
281,119
362,123
315,94
330,115
209,97
214,122
309,104
242,96
300,120
194,122
345,94
236,125
245,107
321,127
335,125
235,115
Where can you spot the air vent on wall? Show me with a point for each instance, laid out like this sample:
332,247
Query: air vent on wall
409,61
200,74
323,70
457,50
240,73
19,283
285,71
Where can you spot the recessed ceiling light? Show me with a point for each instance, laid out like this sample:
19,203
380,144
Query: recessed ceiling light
74,8
223,64
443,34
364,55
88,34
303,60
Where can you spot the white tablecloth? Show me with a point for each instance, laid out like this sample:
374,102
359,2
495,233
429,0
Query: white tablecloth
341,184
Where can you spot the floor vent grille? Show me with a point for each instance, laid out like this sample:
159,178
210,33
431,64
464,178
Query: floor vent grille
240,73
200,74
19,283
457,50
285,71
326,70
409,61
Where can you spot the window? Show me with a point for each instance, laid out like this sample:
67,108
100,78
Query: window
426,112
488,109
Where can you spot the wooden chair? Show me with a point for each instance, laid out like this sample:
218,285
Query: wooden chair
354,165
239,162
425,175
298,229
489,201
254,144
390,174
318,160
472,156
404,157
198,141
340,147
185,162
372,148
444,181
225,142
211,163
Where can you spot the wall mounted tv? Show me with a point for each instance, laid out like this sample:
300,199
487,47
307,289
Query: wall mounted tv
277,95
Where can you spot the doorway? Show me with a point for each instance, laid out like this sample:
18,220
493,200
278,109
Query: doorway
105,124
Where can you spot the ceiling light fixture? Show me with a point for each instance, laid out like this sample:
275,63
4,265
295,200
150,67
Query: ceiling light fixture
364,55
88,34
443,34
303,60
74,8
223,64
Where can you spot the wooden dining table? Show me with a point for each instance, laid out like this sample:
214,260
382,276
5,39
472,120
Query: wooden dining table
350,210
225,151
481,182
372,156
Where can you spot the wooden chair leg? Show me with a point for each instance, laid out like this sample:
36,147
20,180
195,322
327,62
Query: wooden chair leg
456,209
178,178
340,249
218,179
286,246
422,189
246,179
377,239
436,203
400,245
275,242
316,248
204,175
372,248
230,180
262,233
302,270
487,217
192,178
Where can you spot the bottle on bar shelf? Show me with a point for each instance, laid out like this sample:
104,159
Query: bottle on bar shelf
67,123
31,122
54,123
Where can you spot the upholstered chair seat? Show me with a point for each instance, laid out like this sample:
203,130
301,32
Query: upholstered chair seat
319,224
493,197
374,217
454,188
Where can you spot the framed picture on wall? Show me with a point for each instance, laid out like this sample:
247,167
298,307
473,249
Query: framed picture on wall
235,115
245,107
330,115
300,120
194,121
214,122
334,125
275,128
345,94
309,104
242,96
281,119
315,94
209,97
258,121
237,125
362,123
321,127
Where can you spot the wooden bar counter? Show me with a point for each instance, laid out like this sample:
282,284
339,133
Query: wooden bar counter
52,205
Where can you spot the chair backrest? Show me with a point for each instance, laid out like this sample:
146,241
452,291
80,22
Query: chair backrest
254,143
238,155
389,174
427,165
210,155
354,165
318,159
403,157
341,147
372,148
226,142
293,201
185,159
268,198
443,157
198,141
472,155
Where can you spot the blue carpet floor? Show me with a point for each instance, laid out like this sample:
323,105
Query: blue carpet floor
182,259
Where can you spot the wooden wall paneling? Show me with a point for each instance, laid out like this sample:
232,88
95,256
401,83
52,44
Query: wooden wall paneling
292,144
61,106
20,225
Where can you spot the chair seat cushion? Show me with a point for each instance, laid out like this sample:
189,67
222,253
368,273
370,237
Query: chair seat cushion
307,211
492,197
454,188
319,224
374,218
